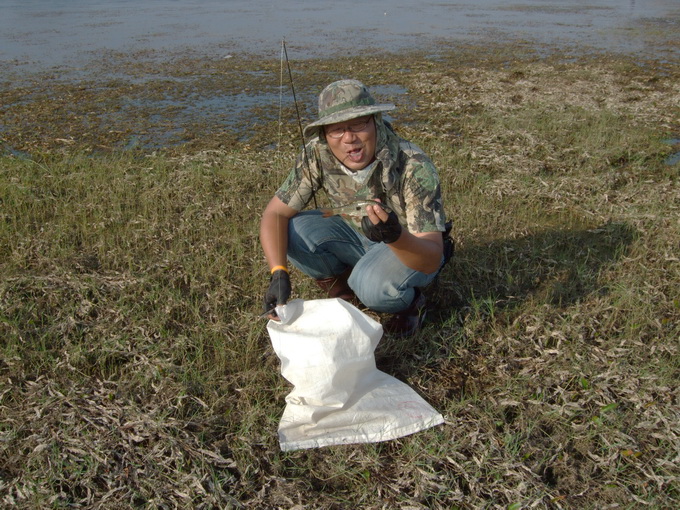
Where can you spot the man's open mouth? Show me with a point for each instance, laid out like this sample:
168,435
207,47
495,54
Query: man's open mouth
355,154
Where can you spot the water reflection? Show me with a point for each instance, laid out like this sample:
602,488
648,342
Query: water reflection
57,32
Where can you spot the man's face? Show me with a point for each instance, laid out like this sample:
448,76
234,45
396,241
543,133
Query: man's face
353,142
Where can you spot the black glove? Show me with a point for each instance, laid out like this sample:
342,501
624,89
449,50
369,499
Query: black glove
384,232
278,292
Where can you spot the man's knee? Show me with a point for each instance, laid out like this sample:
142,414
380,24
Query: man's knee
379,294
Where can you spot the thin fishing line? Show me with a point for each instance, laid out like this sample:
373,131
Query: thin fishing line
302,134
278,145
284,53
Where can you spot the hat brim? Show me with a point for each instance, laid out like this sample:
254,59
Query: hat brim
349,114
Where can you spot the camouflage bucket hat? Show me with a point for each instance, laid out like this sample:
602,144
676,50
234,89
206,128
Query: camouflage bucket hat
345,100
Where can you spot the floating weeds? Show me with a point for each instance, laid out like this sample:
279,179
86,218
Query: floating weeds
205,104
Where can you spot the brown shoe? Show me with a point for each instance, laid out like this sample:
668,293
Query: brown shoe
336,286
408,322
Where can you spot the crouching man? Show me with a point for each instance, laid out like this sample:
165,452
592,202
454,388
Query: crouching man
384,240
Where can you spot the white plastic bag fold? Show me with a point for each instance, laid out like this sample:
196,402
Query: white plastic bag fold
326,348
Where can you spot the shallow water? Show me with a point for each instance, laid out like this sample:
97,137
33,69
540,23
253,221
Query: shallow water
112,48
40,33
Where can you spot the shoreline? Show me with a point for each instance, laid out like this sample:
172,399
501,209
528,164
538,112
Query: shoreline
151,101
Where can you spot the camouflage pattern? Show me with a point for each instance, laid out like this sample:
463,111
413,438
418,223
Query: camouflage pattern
344,100
405,179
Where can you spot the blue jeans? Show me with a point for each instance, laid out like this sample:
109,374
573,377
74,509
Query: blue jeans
324,247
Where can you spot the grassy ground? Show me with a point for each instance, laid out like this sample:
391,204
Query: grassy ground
136,374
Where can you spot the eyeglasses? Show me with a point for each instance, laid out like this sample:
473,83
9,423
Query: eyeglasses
356,127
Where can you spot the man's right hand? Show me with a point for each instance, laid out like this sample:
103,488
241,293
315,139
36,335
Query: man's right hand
278,292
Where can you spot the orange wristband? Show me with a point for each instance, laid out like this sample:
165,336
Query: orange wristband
276,268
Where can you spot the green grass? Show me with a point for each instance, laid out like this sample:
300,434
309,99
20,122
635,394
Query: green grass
135,372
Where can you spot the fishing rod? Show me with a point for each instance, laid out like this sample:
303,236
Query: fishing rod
272,312
299,120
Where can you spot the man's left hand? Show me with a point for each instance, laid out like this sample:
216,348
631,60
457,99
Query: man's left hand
380,226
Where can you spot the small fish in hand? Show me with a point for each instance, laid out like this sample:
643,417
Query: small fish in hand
353,210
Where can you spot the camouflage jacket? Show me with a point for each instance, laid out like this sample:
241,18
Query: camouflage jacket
405,179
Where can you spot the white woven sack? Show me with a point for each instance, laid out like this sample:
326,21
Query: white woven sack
326,348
